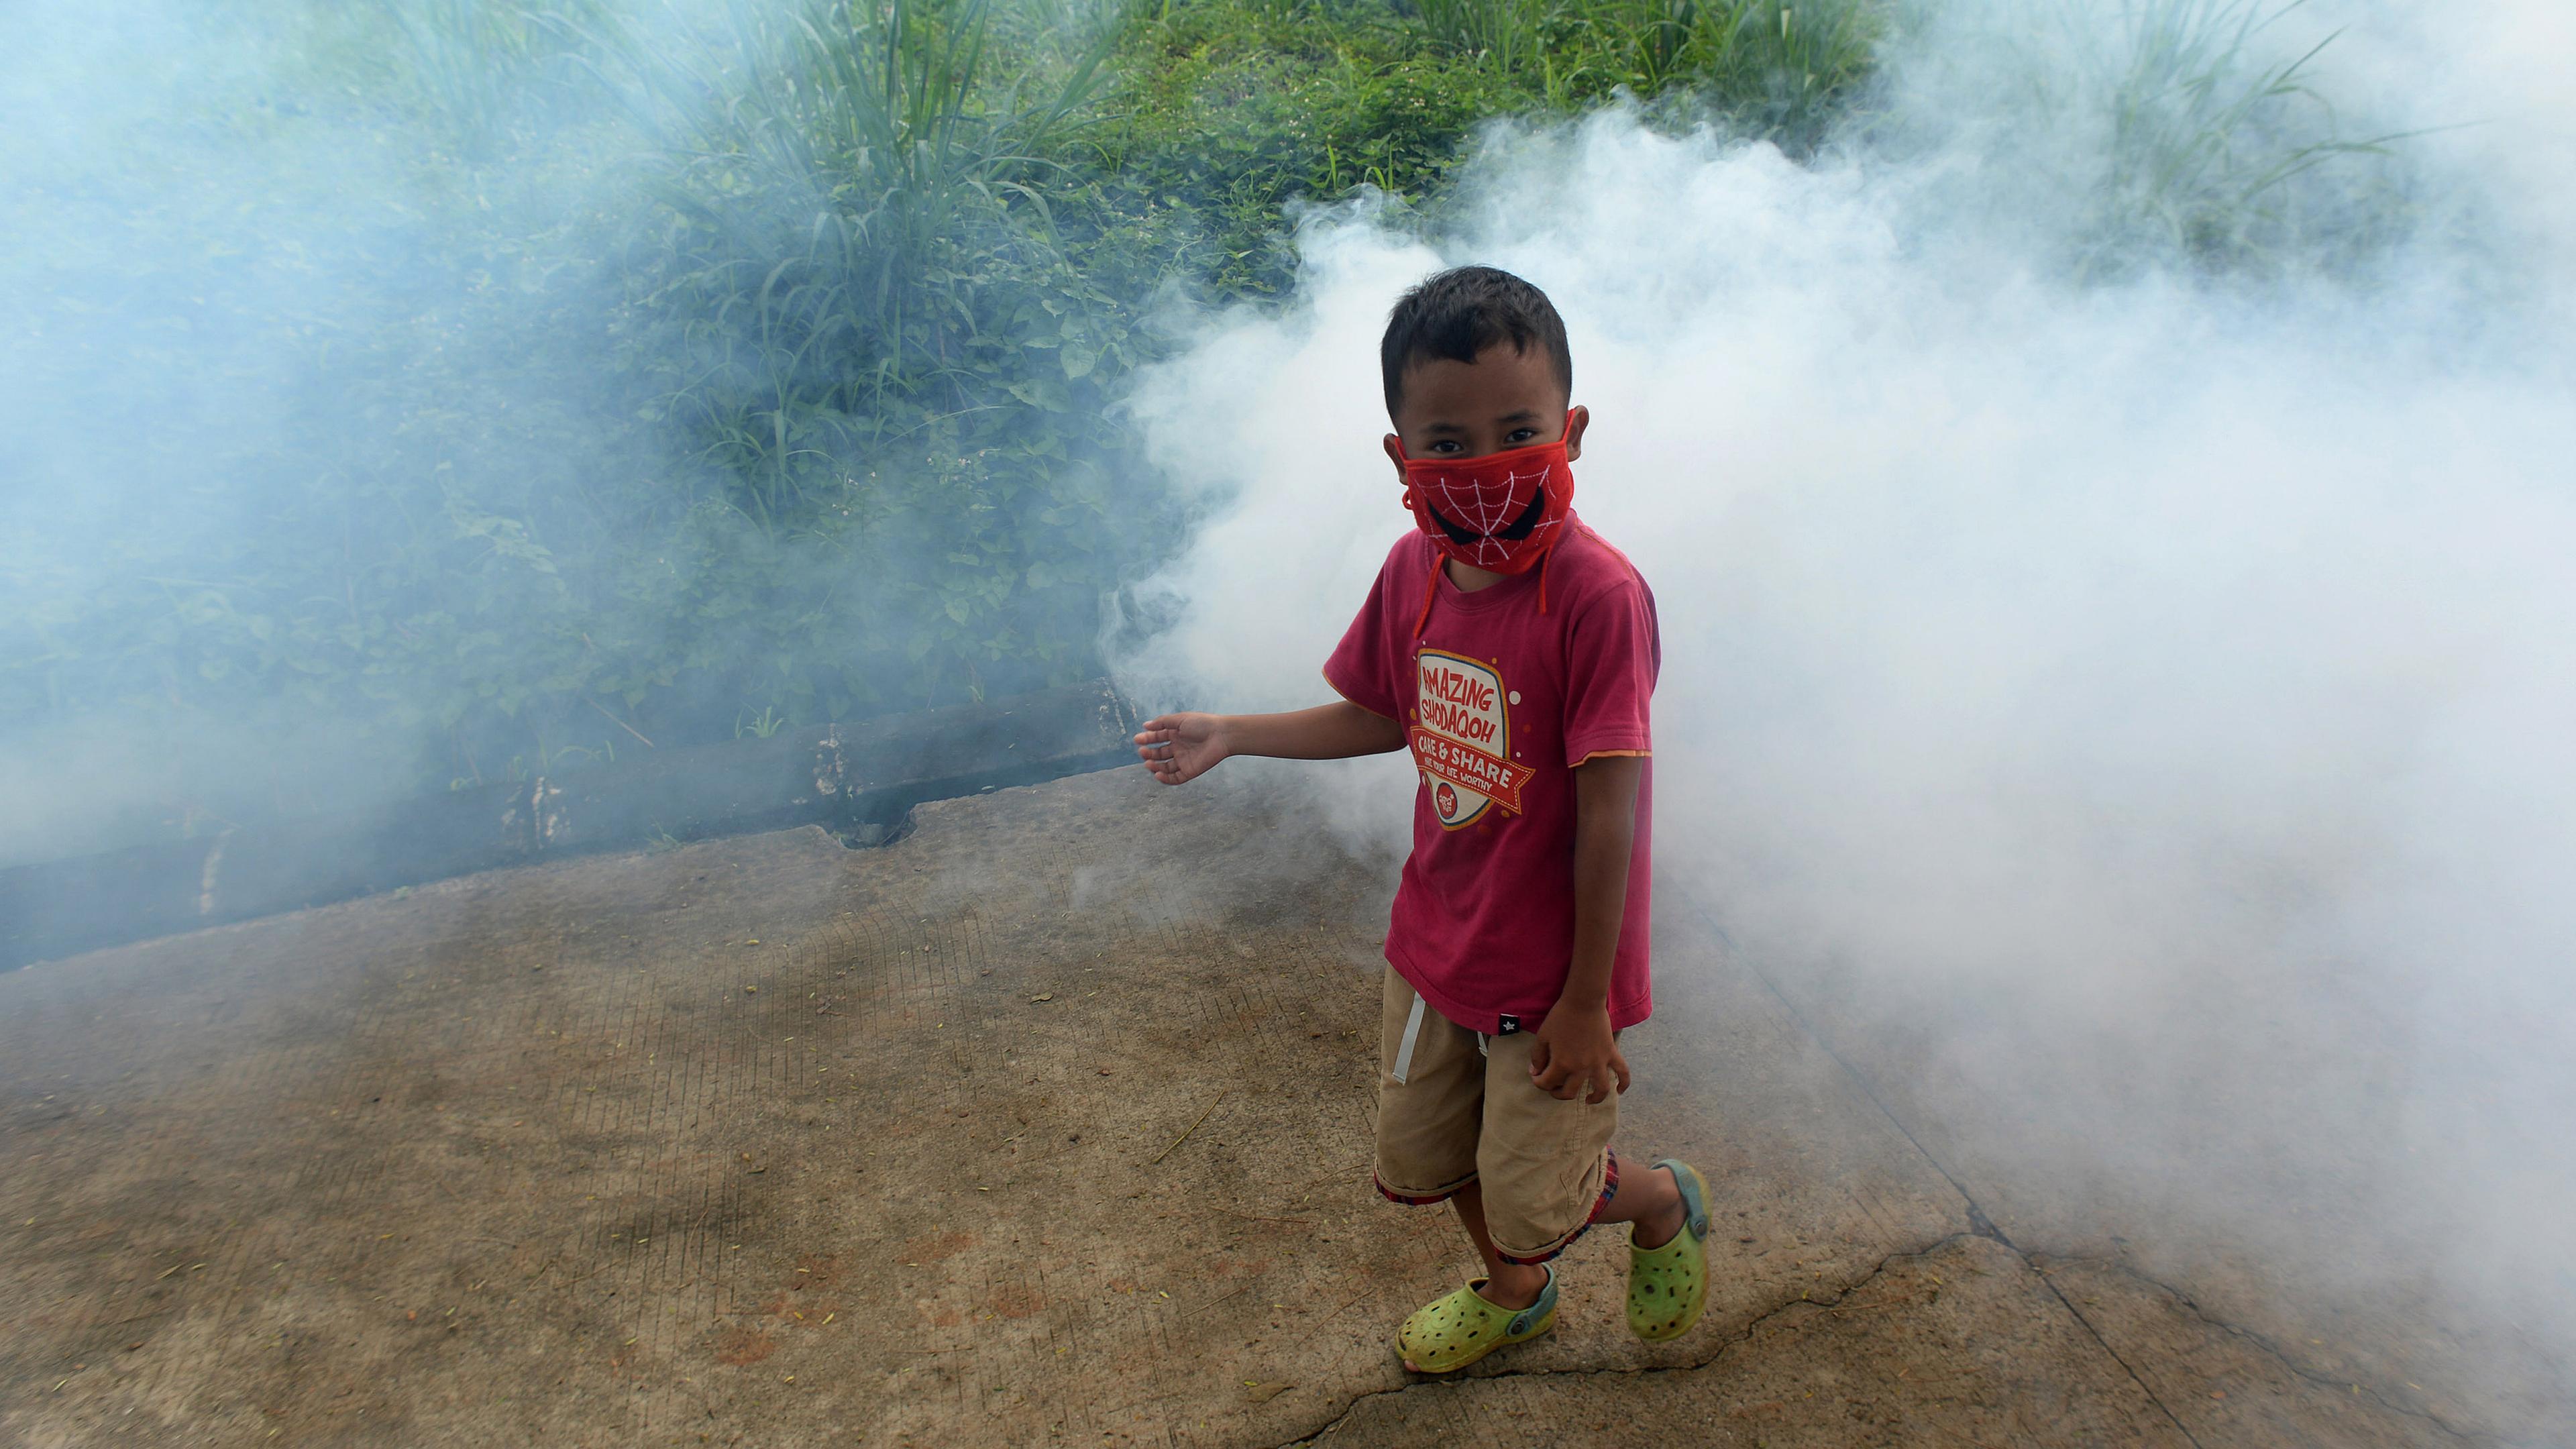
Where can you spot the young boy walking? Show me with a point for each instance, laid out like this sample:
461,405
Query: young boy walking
1514,652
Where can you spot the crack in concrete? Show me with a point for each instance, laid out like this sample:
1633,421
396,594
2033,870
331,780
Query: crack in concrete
1752,1327
2037,1263
2264,1344
1984,1227
2096,1335
1978,1222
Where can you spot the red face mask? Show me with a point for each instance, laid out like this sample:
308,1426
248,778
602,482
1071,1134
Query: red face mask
1501,512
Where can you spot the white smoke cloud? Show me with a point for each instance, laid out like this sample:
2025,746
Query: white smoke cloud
2126,679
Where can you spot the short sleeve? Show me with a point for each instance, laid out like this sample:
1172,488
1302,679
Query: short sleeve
1362,668
1613,653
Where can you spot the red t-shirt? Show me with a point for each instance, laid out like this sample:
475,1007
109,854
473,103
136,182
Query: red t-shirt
1500,702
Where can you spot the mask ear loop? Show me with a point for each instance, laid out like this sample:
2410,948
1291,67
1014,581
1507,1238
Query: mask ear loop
1431,587
1548,555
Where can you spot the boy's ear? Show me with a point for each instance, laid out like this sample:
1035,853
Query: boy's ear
1576,420
1395,454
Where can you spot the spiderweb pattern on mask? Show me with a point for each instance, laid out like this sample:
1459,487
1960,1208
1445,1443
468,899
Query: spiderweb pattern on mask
1485,509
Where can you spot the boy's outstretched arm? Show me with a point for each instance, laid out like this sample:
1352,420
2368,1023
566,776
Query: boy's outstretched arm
1181,747
1575,1052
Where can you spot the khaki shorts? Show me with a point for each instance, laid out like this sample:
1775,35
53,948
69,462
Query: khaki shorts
1455,1108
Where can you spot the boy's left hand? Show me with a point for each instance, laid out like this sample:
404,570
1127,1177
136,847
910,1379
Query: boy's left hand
1575,1053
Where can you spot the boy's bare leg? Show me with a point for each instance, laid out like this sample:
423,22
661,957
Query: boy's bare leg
1654,1205
1507,1285
1652,1202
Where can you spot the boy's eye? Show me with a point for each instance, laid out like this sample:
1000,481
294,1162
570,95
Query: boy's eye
1522,435
1445,445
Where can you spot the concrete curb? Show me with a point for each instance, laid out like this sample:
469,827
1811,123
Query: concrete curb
839,775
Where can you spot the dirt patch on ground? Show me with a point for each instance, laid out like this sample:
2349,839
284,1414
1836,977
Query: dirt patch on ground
1049,1124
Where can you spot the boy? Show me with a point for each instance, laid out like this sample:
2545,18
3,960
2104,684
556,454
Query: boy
1513,651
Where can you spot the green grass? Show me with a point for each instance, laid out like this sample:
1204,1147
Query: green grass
2215,153
2157,133
1235,108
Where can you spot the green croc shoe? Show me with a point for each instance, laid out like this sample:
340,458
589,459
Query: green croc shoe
1668,1286
1452,1332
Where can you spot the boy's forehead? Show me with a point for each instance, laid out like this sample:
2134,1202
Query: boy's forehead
1502,380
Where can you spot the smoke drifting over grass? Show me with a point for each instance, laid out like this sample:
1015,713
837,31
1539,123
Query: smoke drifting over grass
282,430
428,392
2113,540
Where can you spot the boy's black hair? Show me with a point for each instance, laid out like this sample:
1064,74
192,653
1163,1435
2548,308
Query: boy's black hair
1459,313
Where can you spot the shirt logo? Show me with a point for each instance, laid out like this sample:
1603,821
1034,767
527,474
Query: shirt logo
1461,738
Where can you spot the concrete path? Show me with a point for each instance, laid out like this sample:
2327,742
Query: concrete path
1048,1124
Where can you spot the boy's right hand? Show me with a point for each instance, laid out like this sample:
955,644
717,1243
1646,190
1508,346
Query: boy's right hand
1178,748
